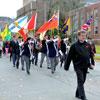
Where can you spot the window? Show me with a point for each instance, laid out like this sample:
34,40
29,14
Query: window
82,19
96,22
88,16
75,22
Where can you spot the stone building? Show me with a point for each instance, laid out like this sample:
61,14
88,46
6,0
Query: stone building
4,21
32,6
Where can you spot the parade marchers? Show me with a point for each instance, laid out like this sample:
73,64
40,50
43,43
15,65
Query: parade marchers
54,49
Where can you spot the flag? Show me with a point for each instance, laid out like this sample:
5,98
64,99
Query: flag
18,34
9,35
87,25
23,33
51,24
18,24
42,35
66,26
31,25
4,33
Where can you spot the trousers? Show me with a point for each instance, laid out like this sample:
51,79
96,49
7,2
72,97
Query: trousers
81,78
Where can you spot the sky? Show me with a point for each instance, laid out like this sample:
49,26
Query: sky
8,8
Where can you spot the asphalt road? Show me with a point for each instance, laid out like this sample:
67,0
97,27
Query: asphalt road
15,84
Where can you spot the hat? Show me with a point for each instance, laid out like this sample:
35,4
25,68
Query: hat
29,38
14,36
20,37
35,35
90,38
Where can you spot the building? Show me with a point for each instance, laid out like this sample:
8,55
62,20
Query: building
89,1
32,6
4,21
81,15
78,16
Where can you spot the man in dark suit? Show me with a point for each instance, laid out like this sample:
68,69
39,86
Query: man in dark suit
92,48
27,54
80,53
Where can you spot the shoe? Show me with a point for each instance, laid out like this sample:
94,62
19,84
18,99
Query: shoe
35,64
83,98
23,69
48,68
13,65
28,72
52,72
79,97
17,67
61,65
40,66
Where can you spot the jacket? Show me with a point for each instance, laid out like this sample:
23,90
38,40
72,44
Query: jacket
52,49
80,54
44,47
26,51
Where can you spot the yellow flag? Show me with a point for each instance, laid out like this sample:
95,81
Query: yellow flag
18,34
4,33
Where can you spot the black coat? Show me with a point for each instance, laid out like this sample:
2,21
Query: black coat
44,47
63,47
15,47
80,54
26,50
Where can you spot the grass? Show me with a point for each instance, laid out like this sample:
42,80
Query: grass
97,49
97,57
97,52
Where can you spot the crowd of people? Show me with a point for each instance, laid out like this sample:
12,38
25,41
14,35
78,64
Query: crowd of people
55,50
27,51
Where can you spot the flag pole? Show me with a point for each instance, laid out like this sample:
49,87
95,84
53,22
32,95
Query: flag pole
58,19
35,23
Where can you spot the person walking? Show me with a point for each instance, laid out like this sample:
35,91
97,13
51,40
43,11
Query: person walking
64,51
27,54
80,53
1,47
36,49
7,47
13,45
93,48
52,53
43,51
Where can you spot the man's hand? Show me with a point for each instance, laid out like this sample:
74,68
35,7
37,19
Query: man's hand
91,67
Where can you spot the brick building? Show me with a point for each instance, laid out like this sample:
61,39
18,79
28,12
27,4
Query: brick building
78,16
81,15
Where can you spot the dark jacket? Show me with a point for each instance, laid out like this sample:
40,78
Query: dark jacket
26,51
93,47
36,46
15,47
52,49
80,54
44,47
63,47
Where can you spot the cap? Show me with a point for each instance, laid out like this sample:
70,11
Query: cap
29,38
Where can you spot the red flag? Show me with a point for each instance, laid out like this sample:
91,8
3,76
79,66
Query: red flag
51,24
87,25
23,33
31,25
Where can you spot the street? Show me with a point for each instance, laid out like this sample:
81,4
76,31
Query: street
15,84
